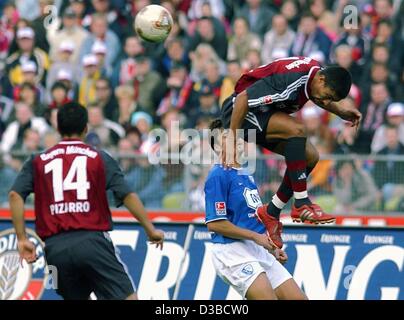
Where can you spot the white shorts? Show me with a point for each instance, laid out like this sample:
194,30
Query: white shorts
240,263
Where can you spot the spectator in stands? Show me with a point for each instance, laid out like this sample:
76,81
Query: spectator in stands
344,58
148,84
29,76
143,122
179,94
7,177
39,25
389,175
6,111
64,62
28,94
175,53
99,49
234,73
127,104
108,131
242,41
196,10
106,99
354,188
290,10
395,118
25,119
26,51
125,69
212,78
87,91
280,37
258,15
71,32
203,54
373,116
252,61
100,32
207,107
207,32
59,95
326,20
310,38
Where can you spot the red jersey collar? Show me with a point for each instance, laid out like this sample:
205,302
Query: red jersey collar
71,141
313,71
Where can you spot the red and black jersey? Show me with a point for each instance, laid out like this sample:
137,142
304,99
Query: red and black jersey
283,84
69,182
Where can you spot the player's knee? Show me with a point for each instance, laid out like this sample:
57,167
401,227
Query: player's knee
298,130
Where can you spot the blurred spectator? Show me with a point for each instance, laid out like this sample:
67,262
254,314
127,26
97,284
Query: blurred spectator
106,99
127,105
203,54
179,91
99,49
290,10
209,33
344,58
196,11
28,70
326,20
258,15
28,9
373,116
207,106
143,122
40,25
395,118
28,94
50,139
26,51
234,73
99,31
64,66
117,21
176,53
71,32
59,95
389,175
212,78
354,188
108,131
280,37
87,90
242,41
8,22
31,143
6,110
310,38
25,119
253,60
148,84
125,69
79,8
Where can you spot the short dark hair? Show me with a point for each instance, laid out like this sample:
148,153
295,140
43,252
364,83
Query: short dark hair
59,85
72,119
214,125
338,79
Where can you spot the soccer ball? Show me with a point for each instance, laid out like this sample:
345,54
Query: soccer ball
153,23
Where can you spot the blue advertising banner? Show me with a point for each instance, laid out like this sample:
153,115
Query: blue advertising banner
327,262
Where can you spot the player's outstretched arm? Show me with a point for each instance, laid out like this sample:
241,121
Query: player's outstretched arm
26,248
136,208
230,230
349,114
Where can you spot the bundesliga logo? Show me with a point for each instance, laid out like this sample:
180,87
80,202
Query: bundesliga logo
20,281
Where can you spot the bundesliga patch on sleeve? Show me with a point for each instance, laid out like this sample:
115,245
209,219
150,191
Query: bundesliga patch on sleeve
220,208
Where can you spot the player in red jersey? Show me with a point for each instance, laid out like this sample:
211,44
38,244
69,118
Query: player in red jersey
262,101
70,181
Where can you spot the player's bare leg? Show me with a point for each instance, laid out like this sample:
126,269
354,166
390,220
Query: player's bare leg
301,158
289,290
261,289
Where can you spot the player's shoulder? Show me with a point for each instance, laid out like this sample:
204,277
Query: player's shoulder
218,172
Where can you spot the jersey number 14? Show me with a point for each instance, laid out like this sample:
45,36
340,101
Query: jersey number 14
77,170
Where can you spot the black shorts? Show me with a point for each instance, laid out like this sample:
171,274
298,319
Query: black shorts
257,121
86,262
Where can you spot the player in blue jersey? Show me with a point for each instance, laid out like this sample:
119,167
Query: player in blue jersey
242,253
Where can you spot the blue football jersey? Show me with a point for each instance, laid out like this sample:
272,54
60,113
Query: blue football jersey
232,194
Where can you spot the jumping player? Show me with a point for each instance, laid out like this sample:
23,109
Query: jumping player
240,248
72,214
262,101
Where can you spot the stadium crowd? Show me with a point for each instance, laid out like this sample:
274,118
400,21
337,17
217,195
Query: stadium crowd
87,50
